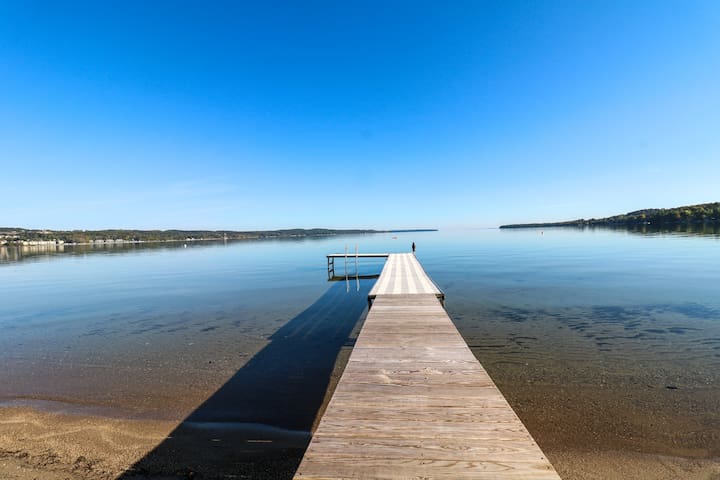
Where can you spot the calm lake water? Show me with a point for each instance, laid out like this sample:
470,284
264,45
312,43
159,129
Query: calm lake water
600,339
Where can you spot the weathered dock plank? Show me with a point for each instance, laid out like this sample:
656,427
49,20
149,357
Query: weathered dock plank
414,402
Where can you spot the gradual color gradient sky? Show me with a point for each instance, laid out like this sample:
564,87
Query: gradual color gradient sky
243,115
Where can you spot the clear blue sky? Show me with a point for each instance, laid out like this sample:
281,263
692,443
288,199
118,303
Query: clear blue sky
380,114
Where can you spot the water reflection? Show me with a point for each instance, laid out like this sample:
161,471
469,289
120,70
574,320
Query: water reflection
644,229
12,253
16,253
697,229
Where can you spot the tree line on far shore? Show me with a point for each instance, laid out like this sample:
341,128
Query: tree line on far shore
702,214
14,235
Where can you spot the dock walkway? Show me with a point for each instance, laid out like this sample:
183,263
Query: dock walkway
414,402
403,275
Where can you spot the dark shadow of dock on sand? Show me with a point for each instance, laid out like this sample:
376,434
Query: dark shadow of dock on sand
257,425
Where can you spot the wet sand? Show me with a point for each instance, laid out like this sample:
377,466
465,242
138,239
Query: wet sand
612,465
49,445
588,432
581,440
39,444
611,392
213,403
602,390
610,431
607,432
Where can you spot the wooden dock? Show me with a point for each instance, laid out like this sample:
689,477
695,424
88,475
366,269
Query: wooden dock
414,402
403,275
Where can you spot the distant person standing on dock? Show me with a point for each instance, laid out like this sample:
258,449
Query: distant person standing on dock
413,247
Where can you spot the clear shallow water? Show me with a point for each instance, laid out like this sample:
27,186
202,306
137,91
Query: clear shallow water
608,339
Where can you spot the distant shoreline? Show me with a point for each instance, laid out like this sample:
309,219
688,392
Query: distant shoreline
689,215
115,237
